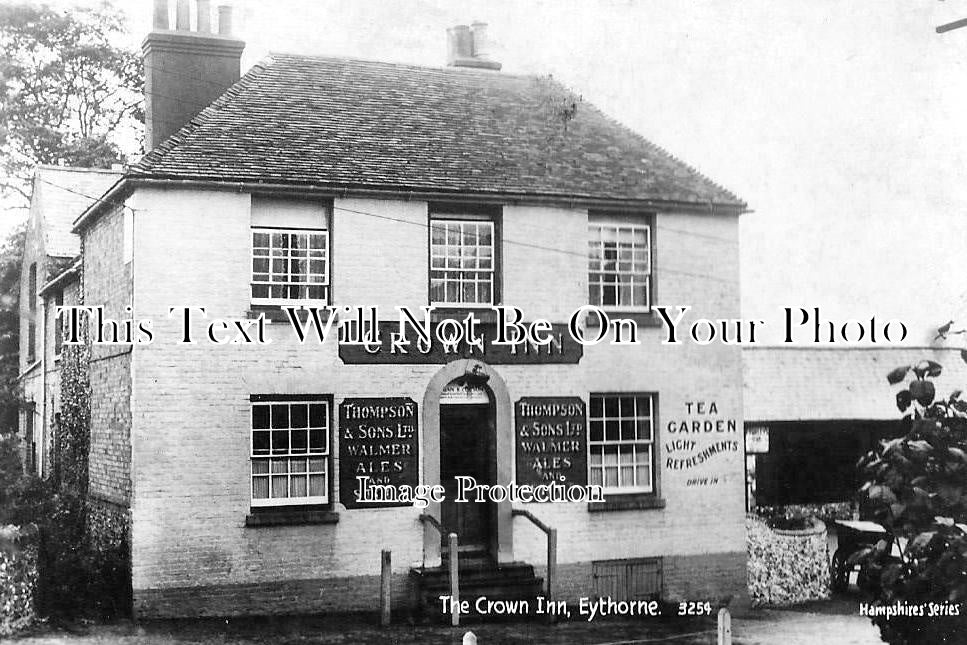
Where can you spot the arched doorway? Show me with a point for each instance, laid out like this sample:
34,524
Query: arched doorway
467,431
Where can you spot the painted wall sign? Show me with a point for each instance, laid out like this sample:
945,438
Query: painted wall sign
699,437
551,440
562,349
757,439
377,438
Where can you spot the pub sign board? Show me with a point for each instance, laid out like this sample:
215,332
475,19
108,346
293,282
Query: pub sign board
551,440
562,350
378,438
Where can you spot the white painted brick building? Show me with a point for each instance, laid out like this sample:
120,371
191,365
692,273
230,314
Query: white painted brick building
392,185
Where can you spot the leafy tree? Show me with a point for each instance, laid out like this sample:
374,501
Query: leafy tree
66,89
916,486
10,254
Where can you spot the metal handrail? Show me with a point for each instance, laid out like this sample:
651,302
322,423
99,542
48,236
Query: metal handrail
551,551
453,551
434,522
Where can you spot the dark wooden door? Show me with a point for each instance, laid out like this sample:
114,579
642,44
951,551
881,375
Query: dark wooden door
467,448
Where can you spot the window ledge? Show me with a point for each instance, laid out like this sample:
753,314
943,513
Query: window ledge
642,318
627,502
276,313
289,517
484,314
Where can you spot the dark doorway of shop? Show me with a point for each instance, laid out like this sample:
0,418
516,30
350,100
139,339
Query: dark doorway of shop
468,448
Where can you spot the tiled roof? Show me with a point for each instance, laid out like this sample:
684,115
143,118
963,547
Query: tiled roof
792,384
60,195
353,123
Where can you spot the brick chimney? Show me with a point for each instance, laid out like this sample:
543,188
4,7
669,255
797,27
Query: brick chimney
470,47
186,70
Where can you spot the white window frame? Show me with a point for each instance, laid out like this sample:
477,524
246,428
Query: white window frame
324,453
619,224
436,220
651,443
270,230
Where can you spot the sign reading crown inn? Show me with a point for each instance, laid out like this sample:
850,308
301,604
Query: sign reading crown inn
378,439
561,349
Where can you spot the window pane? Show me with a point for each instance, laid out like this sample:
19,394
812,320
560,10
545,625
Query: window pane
597,431
260,443
280,416
280,486
317,440
260,416
298,484
611,407
299,415
317,485
260,487
628,430
280,442
317,415
260,466
299,441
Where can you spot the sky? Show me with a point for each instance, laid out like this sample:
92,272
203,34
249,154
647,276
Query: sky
843,125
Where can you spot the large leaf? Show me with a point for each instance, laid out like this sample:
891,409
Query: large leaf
903,400
922,391
900,373
927,368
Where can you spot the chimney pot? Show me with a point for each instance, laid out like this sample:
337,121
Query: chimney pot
182,18
160,14
204,9
463,50
224,20
481,41
459,45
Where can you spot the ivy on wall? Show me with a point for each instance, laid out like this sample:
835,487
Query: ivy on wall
74,426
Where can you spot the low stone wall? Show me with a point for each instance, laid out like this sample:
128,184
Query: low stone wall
825,512
18,577
786,567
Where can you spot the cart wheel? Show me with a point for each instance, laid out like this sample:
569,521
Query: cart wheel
839,572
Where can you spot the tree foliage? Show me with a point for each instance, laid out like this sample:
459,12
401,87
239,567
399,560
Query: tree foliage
916,486
67,88
10,254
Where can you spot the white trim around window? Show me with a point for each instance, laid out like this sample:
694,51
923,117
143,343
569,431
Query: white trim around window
463,262
619,263
290,452
621,442
290,265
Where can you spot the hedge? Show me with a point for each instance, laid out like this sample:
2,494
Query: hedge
18,577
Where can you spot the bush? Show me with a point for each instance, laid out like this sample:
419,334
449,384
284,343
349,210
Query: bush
77,575
18,578
916,486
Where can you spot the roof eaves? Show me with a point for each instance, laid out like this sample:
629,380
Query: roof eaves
63,278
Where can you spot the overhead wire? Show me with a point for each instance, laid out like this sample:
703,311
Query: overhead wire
428,226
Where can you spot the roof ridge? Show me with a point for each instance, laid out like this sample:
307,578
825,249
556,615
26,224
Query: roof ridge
104,171
439,68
